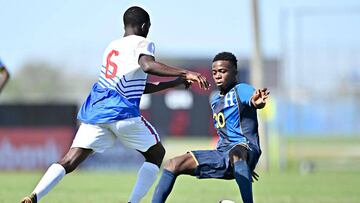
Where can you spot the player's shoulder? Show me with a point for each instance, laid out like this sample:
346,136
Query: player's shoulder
214,97
138,40
244,87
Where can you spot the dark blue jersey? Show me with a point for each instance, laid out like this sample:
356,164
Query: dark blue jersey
235,118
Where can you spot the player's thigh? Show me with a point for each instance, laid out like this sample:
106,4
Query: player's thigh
183,164
246,152
238,152
136,133
253,157
212,164
96,137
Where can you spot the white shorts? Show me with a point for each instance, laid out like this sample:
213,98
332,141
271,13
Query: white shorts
136,133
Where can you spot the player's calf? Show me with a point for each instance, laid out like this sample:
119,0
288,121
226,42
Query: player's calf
184,164
73,158
242,173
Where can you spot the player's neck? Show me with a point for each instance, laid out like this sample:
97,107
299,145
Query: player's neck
132,31
226,90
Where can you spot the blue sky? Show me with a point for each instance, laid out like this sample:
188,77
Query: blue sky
75,33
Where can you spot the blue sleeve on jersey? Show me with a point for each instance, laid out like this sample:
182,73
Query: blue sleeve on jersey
151,48
145,47
245,92
1,64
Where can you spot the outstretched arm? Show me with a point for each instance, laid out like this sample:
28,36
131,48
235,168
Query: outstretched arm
259,97
159,86
150,66
4,77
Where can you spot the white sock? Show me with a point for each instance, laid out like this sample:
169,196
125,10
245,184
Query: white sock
146,177
51,177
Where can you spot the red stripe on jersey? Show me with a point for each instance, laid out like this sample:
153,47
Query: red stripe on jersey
150,129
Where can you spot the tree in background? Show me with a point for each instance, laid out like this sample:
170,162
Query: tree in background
42,82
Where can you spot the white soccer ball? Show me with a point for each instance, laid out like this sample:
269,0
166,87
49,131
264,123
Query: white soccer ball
226,201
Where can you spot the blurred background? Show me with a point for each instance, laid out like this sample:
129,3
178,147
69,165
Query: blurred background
307,52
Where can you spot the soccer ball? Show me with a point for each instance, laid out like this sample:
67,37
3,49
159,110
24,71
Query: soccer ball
226,201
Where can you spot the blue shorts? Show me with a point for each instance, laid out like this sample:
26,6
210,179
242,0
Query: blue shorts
216,164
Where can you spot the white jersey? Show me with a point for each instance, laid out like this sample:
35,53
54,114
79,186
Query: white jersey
120,68
116,95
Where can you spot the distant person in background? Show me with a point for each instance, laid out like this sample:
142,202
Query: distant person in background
238,149
4,75
112,108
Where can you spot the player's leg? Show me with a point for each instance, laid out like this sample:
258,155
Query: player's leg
56,172
147,173
242,173
155,154
139,134
184,164
89,138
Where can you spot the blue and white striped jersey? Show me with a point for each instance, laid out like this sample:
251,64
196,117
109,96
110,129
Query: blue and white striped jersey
117,93
233,126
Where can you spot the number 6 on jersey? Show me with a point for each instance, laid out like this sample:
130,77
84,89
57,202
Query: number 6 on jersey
112,64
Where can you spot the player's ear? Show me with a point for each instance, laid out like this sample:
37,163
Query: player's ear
143,26
235,71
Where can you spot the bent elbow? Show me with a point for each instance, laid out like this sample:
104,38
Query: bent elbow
147,68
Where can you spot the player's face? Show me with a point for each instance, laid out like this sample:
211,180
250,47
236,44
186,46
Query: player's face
224,74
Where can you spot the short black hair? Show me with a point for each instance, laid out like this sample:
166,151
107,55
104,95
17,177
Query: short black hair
226,56
135,16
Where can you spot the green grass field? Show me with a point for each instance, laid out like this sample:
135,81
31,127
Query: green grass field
329,183
108,187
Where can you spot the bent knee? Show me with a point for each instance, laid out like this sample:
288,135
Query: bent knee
170,165
159,157
183,164
155,154
161,152
238,153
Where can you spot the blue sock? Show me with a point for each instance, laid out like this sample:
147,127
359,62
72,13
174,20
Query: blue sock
164,187
243,179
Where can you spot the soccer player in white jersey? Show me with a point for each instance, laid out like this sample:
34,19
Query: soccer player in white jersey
4,75
112,108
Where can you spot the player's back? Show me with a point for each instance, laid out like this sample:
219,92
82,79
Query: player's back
120,69
117,93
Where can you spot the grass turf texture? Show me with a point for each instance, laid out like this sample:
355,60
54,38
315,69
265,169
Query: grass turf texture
330,182
108,187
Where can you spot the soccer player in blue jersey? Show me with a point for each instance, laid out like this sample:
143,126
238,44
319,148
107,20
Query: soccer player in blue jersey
238,150
112,108
4,75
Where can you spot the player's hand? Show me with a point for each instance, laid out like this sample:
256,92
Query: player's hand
255,176
197,77
187,83
259,97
